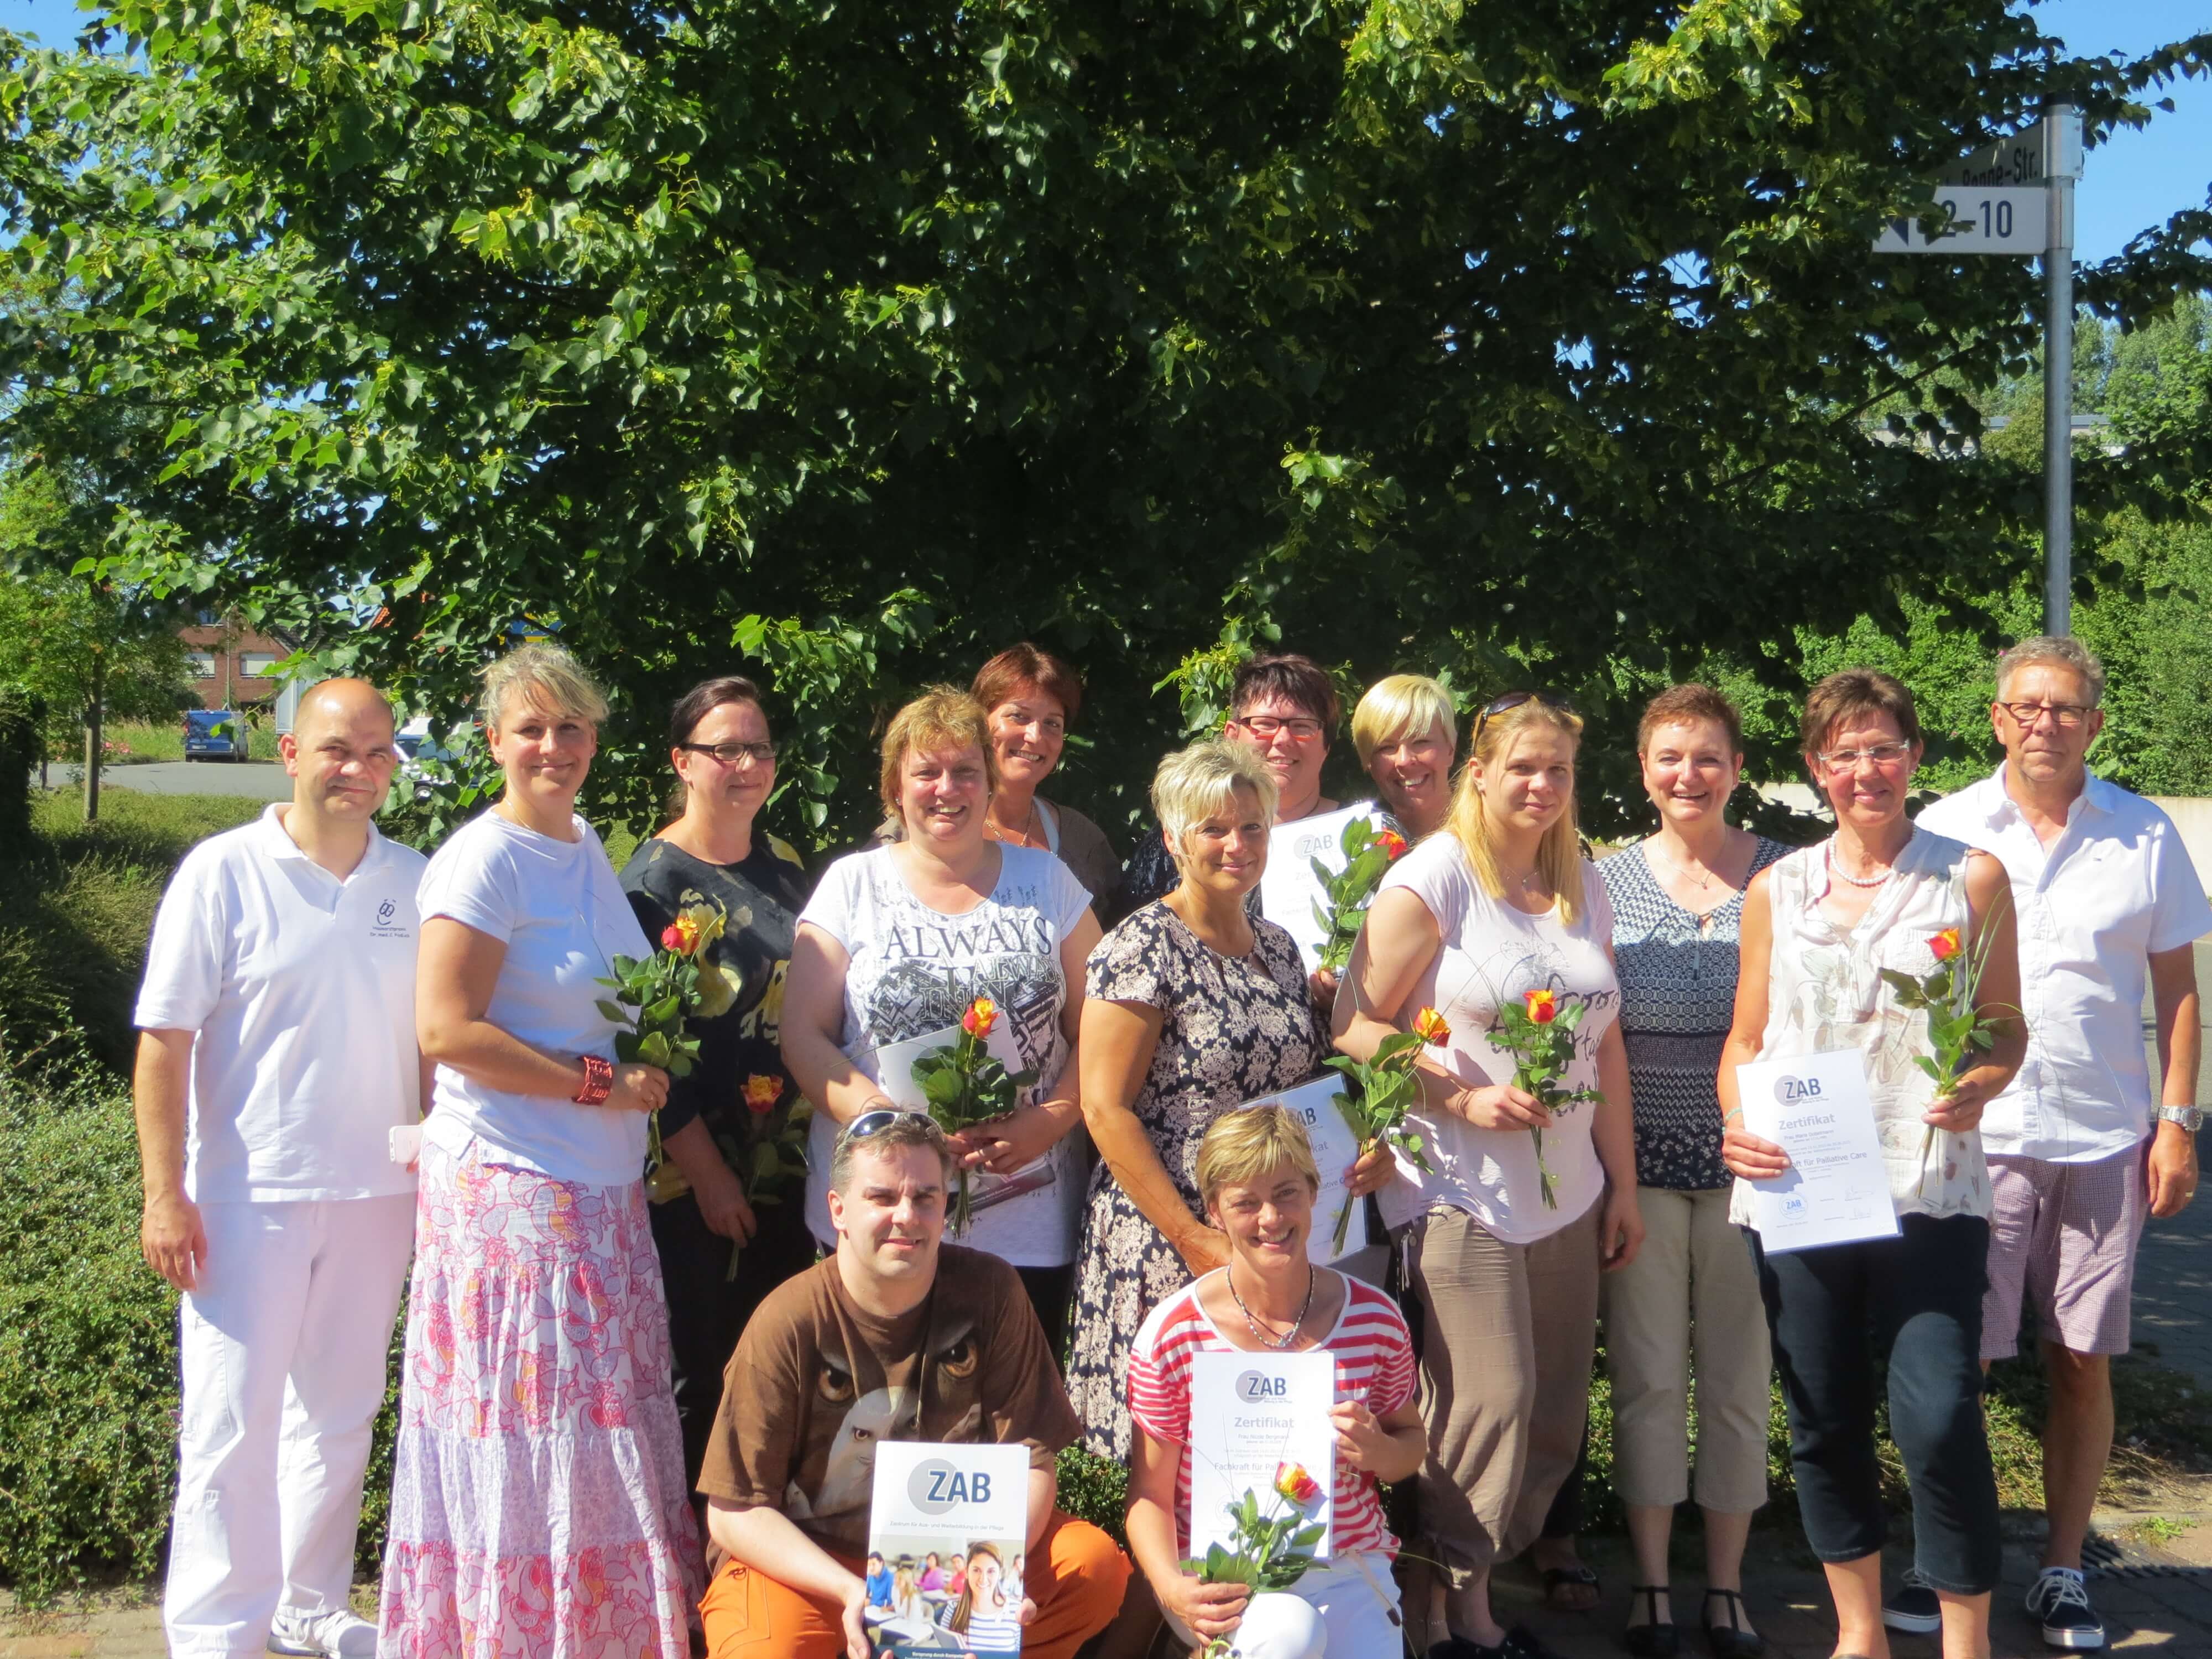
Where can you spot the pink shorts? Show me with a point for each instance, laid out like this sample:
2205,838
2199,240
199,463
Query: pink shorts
2062,1241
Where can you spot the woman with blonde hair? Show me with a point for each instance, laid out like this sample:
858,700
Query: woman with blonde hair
1405,730
1193,1008
536,1319
899,940
1503,1246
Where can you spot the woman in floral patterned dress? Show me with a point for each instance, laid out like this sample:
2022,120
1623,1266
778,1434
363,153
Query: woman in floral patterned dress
1192,1009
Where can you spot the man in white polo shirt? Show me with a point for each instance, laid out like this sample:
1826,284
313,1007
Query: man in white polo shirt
2107,897
277,1054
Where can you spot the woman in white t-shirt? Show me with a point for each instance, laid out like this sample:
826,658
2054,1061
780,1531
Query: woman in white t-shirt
1498,905
899,940
535,1317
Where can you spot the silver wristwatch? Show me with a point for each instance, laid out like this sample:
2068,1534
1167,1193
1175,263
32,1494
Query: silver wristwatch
2189,1117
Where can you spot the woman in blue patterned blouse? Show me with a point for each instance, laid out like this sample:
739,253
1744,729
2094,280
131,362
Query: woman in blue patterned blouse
1677,899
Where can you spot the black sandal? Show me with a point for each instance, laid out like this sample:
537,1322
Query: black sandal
1654,1639
1731,1640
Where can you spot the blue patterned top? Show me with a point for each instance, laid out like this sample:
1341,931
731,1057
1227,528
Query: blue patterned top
1677,1000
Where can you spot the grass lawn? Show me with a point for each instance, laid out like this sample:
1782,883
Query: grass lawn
132,741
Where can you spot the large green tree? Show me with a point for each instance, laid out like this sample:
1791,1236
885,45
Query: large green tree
858,340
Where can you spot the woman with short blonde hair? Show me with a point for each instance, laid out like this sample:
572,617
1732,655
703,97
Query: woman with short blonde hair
532,1228
1503,1245
1405,730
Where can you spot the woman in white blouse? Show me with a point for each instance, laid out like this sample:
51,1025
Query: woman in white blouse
1819,928
1498,904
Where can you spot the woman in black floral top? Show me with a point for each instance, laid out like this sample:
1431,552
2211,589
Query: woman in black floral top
1192,1008
1677,904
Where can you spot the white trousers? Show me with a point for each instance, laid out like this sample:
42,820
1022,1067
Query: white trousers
1344,1608
282,1348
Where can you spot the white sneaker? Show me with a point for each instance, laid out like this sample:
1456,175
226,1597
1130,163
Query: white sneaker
333,1635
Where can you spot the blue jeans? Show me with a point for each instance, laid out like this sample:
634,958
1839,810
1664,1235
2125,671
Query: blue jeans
1915,1300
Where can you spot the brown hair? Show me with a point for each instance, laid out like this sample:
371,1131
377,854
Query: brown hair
1293,679
942,717
966,1605
1679,704
1849,694
1024,667
1560,859
704,698
907,1129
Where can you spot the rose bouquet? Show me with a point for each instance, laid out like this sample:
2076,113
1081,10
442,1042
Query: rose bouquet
655,997
1272,1550
1539,1032
965,1085
1388,1089
1341,911
1957,1030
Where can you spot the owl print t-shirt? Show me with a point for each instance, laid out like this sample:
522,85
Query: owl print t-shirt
817,1382
914,971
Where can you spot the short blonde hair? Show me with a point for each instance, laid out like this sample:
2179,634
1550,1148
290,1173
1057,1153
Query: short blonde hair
942,717
1193,783
1399,707
1242,1147
547,678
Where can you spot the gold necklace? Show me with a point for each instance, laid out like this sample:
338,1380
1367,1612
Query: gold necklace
1020,837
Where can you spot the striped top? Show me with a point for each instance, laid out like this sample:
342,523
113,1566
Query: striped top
1374,1355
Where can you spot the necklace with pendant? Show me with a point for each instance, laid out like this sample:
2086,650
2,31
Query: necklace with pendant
1020,837
1258,1333
1702,882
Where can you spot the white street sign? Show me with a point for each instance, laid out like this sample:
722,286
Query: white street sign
1969,219
2009,161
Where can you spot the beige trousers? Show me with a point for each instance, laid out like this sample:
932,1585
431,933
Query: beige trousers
1688,1305
1505,1365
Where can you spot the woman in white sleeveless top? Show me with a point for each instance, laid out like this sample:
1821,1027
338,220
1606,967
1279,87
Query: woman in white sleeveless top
1819,926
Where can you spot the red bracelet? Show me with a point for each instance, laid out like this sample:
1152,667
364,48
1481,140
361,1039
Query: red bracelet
599,1082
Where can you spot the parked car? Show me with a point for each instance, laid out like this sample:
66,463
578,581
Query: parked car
214,734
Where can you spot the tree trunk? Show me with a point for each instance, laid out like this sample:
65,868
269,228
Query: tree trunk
92,738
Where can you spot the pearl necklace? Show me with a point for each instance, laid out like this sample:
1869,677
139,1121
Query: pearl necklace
1841,875
1259,1334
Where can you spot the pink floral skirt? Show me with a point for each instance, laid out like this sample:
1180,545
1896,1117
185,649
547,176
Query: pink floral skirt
538,1505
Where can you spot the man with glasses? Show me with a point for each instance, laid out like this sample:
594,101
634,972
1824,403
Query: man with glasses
2107,897
866,1347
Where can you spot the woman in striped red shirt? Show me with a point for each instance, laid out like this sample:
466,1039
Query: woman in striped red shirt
1257,1180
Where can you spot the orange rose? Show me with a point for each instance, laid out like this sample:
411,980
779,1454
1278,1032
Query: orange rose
983,1014
1293,1480
1945,945
1393,843
1543,1006
1429,1026
762,1093
681,935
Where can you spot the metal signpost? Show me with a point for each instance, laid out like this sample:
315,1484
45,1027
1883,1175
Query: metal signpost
2016,196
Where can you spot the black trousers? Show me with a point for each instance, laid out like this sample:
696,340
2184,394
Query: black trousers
1915,1300
708,1308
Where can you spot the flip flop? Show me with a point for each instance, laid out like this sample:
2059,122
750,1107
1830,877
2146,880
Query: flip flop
1581,1577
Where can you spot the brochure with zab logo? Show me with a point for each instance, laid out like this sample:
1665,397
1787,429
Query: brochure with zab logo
1816,1108
1250,1413
946,1531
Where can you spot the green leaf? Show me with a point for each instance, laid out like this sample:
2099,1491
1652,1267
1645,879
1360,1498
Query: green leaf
613,1011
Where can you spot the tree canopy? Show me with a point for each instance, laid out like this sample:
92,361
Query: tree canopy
1520,343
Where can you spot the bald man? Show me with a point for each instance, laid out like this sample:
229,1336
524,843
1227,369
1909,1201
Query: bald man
277,1054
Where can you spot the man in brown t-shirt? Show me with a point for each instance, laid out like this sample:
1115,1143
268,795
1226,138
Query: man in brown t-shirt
895,1337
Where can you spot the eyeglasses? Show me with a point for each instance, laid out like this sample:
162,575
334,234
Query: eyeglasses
1267,727
1878,754
1514,700
734,754
2067,714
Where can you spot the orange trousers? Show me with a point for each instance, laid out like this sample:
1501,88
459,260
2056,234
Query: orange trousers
1076,1576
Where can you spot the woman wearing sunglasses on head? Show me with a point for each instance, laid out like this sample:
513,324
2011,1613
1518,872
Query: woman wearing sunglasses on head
1498,912
737,1095
1820,929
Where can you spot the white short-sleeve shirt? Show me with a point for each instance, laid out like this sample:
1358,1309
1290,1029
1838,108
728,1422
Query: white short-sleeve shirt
914,971
560,911
300,989
2116,886
1492,954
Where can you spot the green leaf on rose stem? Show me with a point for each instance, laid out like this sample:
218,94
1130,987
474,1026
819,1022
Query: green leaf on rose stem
624,967
653,1049
1927,1066
626,1046
679,1065
613,1010
664,1011
1308,1539
1216,1562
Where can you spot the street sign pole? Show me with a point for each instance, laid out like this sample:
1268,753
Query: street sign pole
2062,160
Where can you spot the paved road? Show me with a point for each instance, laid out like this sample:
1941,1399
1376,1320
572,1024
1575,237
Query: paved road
257,780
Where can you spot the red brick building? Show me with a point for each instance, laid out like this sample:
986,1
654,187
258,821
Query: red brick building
232,662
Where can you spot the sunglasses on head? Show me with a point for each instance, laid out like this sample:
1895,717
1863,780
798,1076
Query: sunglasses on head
1514,700
875,1122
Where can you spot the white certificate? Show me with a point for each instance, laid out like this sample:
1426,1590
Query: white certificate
1816,1108
1289,889
1250,1413
1335,1149
891,1068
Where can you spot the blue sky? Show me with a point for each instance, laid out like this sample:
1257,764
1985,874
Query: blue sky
2136,180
